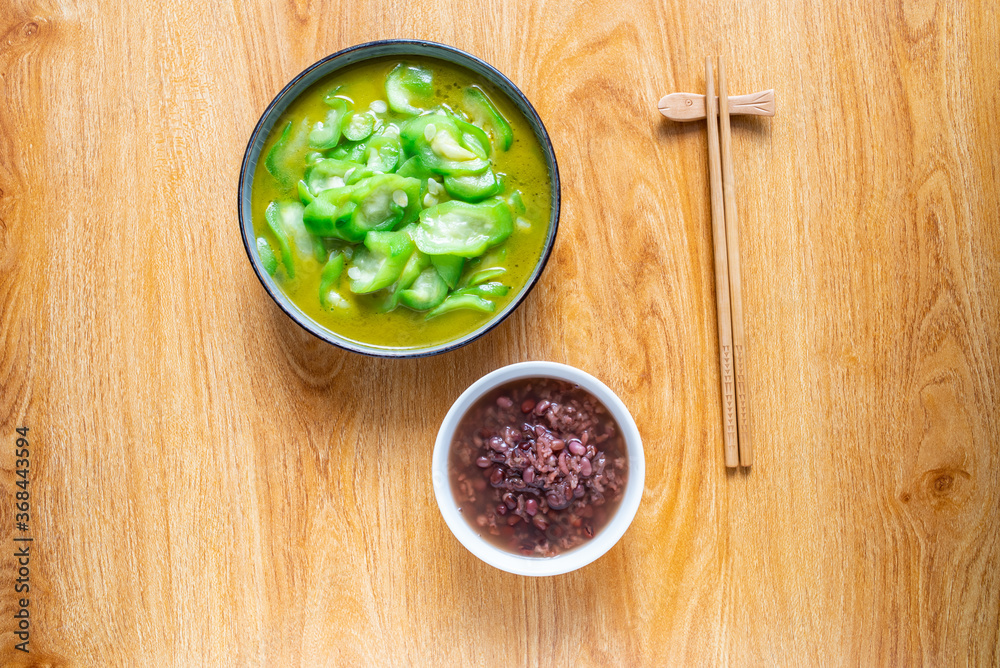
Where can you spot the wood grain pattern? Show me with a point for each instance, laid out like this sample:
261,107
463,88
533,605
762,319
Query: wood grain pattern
212,486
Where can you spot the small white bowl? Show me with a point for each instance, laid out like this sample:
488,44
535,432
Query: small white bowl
577,557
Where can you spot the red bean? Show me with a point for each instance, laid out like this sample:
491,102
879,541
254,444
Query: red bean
576,447
531,506
509,500
482,462
496,443
557,445
542,407
501,509
496,477
504,402
529,475
527,405
557,500
585,468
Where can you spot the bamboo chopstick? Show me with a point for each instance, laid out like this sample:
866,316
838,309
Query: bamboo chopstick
735,279
721,273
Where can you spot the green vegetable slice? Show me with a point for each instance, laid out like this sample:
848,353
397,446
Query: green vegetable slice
492,288
449,267
326,134
380,262
359,126
358,175
417,263
385,202
340,153
474,138
474,187
484,113
330,173
379,202
330,212
406,85
438,142
334,95
298,248
267,257
413,168
352,151
462,229
516,203
484,275
457,302
495,257
382,153
284,160
304,193
428,291
329,278
485,290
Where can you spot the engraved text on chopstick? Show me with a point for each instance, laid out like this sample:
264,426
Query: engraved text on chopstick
727,379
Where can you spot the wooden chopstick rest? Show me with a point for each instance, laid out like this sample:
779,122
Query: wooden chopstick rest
691,106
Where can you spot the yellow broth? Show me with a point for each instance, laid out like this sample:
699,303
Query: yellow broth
524,169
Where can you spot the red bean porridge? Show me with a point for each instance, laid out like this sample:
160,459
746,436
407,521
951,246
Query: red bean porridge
538,466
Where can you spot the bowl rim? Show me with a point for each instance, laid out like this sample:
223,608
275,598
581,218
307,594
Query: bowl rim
581,556
246,179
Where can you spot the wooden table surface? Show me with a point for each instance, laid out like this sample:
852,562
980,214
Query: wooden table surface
210,485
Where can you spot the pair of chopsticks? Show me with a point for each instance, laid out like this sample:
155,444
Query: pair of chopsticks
728,281
726,235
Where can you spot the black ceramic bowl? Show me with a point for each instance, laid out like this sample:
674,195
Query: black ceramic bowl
322,69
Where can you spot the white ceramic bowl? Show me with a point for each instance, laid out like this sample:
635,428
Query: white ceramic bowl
577,557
